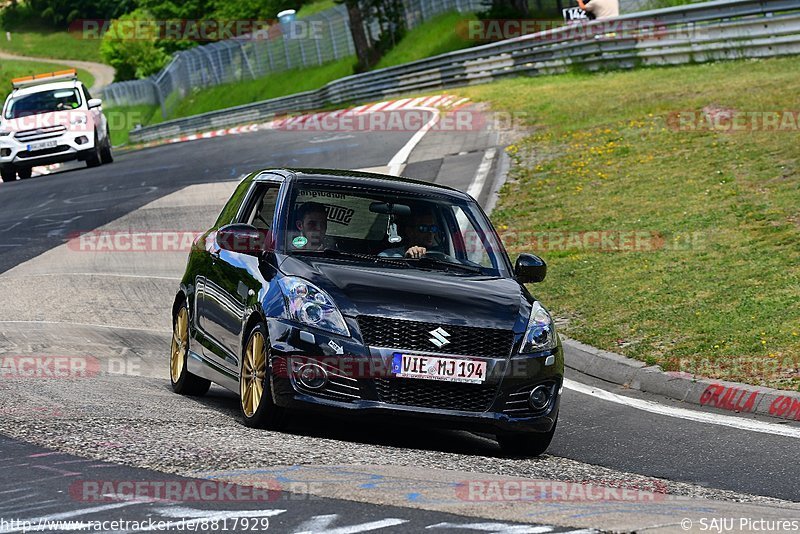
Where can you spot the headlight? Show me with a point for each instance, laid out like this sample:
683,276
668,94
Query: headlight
4,133
78,119
541,332
310,305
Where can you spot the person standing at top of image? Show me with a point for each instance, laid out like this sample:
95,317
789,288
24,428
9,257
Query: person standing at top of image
600,9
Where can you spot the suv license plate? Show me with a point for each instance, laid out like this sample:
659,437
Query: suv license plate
33,147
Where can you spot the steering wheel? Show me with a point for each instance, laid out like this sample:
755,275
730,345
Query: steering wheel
436,255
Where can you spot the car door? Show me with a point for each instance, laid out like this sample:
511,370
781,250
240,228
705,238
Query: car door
233,279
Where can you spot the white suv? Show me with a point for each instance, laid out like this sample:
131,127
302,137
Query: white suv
51,118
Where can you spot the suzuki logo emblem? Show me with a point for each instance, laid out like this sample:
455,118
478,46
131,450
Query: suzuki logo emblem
440,336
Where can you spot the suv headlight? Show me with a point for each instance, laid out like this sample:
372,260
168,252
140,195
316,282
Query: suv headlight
78,118
541,332
310,305
4,133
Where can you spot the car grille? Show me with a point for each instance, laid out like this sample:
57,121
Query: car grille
48,132
24,154
413,335
435,394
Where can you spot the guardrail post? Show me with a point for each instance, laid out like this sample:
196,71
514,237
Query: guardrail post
269,56
286,53
332,36
159,98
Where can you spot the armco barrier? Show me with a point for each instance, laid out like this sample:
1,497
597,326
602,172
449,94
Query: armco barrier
710,31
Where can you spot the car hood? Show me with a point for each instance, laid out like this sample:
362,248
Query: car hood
419,295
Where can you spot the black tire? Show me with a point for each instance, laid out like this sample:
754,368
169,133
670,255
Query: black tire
106,154
526,444
266,414
183,382
8,175
94,159
24,173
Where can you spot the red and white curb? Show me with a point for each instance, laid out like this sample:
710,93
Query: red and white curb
440,102
46,169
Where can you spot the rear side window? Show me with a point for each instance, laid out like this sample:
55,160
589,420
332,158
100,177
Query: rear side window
228,213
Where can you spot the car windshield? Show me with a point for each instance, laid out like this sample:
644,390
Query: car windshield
43,102
394,228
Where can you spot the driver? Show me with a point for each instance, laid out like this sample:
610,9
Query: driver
421,234
312,221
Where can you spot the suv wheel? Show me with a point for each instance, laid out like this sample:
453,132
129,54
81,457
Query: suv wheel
8,174
106,156
94,159
24,173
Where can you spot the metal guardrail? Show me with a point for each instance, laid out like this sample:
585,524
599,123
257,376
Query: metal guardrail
710,31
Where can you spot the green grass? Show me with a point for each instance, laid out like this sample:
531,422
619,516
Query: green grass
719,296
314,7
14,69
280,84
439,35
51,44
123,119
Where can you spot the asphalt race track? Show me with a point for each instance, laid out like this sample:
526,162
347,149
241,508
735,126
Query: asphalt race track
123,422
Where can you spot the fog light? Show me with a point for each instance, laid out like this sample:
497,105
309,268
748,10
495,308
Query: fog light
5,152
82,139
539,398
312,376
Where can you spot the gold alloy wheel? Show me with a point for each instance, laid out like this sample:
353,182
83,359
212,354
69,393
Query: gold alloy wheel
251,385
180,344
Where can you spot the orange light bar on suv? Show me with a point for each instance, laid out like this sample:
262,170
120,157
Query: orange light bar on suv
68,74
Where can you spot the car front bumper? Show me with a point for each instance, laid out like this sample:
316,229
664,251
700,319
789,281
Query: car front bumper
359,382
69,146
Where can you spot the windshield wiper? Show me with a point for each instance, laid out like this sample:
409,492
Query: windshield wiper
443,263
336,253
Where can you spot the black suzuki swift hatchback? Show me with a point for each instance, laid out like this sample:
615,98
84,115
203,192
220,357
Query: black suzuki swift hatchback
358,293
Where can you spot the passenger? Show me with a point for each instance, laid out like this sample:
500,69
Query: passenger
421,234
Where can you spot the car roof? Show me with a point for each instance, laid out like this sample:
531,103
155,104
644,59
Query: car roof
367,179
71,84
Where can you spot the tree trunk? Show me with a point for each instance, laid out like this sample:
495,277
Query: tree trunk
522,7
359,36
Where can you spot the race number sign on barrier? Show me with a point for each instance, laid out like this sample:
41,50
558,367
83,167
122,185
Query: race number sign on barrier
574,14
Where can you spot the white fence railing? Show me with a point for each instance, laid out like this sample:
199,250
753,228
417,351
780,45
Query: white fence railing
235,60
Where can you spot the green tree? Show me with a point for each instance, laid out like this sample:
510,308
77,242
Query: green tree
130,46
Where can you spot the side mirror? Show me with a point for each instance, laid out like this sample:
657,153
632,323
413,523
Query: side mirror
94,103
530,269
245,239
